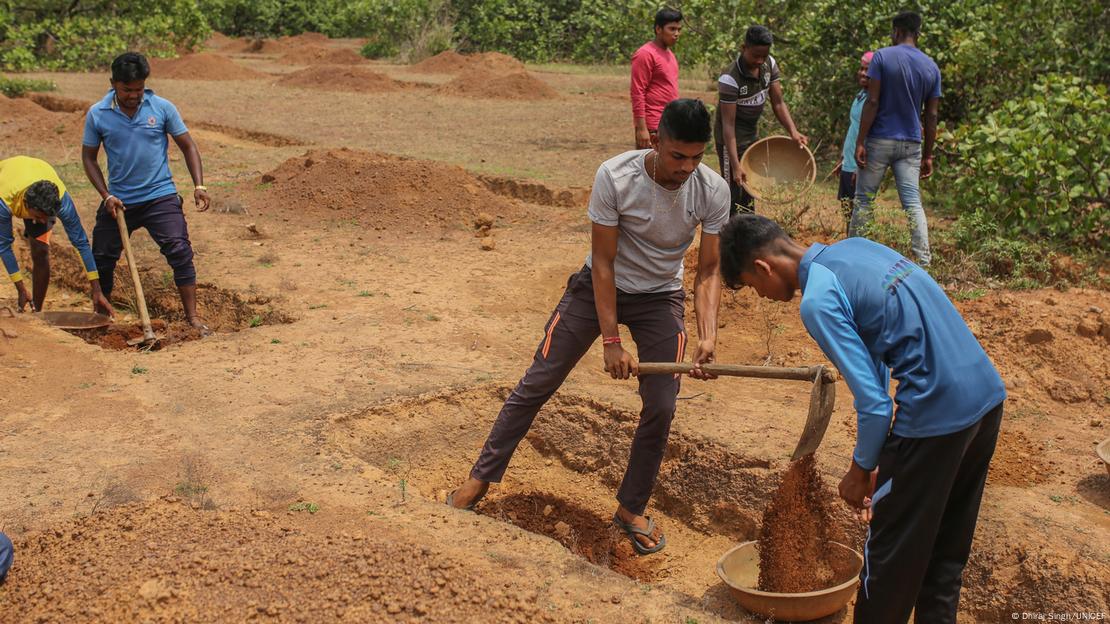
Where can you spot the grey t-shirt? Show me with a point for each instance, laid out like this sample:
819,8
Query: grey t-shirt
656,225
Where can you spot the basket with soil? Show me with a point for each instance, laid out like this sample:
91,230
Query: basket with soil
800,569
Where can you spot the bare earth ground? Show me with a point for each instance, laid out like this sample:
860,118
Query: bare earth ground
291,466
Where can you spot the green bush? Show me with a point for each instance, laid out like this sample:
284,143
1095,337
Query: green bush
84,35
406,29
1038,165
15,87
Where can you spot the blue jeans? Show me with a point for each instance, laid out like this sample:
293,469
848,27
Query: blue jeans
6,556
905,158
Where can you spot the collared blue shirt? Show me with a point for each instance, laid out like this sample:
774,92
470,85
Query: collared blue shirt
138,163
875,314
854,115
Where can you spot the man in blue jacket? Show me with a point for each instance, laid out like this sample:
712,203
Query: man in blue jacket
875,314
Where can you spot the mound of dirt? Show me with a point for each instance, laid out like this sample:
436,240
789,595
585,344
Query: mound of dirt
340,78
220,41
167,562
202,66
23,122
514,85
320,55
387,191
451,62
797,526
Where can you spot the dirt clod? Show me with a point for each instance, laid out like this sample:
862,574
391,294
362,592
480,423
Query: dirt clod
797,526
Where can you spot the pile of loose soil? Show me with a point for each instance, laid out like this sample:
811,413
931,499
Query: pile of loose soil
387,191
167,562
797,526
23,122
220,41
115,336
202,66
223,310
1017,461
580,530
451,62
513,85
321,55
340,78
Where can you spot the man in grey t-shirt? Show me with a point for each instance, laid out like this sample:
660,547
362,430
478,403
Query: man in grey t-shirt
646,206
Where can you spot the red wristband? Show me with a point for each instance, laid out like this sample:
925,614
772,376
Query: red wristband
611,340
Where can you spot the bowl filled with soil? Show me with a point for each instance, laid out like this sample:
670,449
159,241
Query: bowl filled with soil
739,569
1104,452
778,170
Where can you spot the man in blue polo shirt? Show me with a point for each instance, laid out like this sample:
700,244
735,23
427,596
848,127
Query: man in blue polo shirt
132,123
875,314
903,79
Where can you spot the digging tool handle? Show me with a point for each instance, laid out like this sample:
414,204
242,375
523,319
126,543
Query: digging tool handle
148,333
736,370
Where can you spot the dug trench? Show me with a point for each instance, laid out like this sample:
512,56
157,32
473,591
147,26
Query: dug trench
563,478
223,310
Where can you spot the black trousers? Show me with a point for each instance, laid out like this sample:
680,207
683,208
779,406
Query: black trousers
657,325
925,505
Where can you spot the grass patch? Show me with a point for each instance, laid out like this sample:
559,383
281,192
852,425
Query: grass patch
16,87
304,506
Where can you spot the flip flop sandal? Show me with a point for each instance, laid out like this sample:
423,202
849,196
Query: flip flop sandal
451,502
632,531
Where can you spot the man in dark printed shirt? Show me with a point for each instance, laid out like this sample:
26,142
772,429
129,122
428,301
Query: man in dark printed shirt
742,91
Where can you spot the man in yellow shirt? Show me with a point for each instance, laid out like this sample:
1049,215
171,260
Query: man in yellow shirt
31,190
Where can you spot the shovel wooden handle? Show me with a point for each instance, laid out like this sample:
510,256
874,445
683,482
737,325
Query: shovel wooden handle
806,373
144,317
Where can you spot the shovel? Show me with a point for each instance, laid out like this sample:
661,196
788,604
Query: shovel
822,396
148,338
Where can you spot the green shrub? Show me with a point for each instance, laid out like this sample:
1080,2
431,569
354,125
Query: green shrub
15,87
80,36
1038,165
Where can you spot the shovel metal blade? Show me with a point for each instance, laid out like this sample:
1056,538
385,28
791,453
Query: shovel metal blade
822,399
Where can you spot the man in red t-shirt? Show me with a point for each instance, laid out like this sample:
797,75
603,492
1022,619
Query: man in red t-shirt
655,76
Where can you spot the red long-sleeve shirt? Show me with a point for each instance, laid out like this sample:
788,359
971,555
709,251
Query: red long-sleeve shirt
654,82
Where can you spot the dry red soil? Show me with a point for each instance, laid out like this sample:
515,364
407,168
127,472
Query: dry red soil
292,466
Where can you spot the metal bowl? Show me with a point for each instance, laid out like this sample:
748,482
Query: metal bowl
739,569
1103,451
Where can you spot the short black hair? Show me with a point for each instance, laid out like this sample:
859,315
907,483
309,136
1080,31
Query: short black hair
129,67
742,238
667,15
43,196
908,21
686,120
758,36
